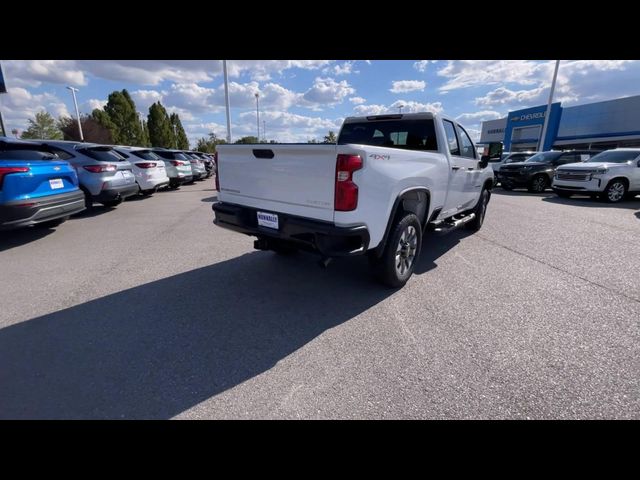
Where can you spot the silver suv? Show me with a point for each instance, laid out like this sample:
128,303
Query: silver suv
178,166
105,176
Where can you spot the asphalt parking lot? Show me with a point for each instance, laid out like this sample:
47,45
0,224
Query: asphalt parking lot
150,311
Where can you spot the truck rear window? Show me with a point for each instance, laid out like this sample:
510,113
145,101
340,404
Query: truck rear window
407,134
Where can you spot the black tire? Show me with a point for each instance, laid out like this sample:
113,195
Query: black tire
564,194
539,184
480,210
52,223
401,253
88,201
111,203
615,191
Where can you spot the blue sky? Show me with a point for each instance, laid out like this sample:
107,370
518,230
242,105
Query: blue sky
304,99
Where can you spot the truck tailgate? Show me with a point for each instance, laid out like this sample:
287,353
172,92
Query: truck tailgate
293,179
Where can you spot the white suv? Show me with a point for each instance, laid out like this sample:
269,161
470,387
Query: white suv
612,174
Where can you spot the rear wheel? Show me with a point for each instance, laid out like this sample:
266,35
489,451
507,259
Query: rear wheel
401,252
539,184
88,200
615,191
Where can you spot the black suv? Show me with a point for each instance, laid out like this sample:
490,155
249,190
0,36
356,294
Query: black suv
536,173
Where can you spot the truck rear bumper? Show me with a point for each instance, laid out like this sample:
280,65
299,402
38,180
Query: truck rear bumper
312,235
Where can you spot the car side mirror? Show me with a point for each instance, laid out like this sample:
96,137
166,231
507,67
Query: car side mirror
484,161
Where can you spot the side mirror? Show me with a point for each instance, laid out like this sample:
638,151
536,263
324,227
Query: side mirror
484,161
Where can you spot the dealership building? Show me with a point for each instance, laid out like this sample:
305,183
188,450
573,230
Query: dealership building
601,125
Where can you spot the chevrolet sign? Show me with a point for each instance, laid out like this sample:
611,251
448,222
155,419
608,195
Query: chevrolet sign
528,116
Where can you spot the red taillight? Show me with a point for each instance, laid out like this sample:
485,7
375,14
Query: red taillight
346,198
178,163
100,168
215,160
7,170
146,165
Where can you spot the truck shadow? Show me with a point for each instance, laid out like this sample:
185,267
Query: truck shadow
435,246
520,193
582,201
157,349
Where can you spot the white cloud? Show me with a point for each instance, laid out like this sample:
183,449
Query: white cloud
421,66
357,100
504,96
407,107
404,86
286,126
340,69
145,98
326,91
479,116
34,72
91,104
18,105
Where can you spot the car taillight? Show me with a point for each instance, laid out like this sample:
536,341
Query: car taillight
215,160
146,165
178,163
346,198
8,170
100,168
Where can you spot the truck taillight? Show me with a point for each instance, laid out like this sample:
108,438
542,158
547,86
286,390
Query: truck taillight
7,170
346,198
215,160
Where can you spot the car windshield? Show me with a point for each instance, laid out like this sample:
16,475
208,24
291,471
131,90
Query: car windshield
615,156
544,157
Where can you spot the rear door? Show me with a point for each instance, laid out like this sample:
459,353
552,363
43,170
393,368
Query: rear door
473,182
294,179
458,197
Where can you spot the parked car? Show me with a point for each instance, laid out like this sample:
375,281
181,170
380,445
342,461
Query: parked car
508,157
208,162
36,187
536,173
388,179
148,168
177,165
105,176
197,165
612,175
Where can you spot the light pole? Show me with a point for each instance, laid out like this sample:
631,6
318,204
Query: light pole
258,114
175,135
546,115
264,131
75,102
226,99
400,107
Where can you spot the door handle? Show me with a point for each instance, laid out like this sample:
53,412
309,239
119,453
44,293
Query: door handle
455,167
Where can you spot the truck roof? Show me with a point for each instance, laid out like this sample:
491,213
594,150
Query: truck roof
390,116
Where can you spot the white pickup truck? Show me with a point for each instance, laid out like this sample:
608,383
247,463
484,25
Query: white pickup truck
612,175
388,179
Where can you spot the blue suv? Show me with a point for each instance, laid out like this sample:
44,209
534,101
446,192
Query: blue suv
36,187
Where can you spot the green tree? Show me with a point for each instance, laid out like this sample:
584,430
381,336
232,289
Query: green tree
312,140
145,135
331,138
160,129
92,130
122,112
249,139
180,137
209,145
102,118
43,126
